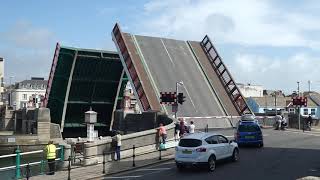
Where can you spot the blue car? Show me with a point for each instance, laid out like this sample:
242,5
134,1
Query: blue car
249,133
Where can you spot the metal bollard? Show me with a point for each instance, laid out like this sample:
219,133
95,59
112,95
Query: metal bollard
160,152
18,158
133,156
69,167
104,163
28,172
42,167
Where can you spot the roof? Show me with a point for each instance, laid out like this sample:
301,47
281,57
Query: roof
315,97
32,84
199,135
269,101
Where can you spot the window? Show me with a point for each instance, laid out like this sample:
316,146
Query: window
291,110
248,128
212,140
313,112
222,139
305,111
190,143
24,96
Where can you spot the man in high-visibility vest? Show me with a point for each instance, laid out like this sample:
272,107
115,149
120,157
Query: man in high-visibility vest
51,156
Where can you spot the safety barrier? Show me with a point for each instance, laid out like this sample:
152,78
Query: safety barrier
26,168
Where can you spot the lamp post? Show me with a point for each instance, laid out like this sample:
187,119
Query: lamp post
299,119
177,92
10,93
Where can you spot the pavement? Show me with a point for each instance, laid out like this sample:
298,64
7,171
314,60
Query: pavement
111,167
290,154
287,155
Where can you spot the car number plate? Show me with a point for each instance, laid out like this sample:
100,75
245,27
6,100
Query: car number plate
249,137
187,152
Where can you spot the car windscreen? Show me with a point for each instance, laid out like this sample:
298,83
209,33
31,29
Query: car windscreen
248,128
190,143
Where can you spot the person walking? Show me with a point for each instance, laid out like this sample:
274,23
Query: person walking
118,144
182,128
309,122
176,131
51,156
191,127
162,133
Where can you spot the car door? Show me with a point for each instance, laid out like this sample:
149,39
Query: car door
225,146
215,146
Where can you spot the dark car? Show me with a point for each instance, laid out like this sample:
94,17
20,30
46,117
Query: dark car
248,132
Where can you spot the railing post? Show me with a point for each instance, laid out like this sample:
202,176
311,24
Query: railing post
104,163
61,153
133,156
28,172
160,152
42,167
18,157
69,167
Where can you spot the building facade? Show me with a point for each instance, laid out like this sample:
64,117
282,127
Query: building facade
269,104
28,93
249,90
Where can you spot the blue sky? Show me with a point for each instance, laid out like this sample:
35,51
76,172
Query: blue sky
265,42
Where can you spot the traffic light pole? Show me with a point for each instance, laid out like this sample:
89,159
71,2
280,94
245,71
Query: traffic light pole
299,120
175,113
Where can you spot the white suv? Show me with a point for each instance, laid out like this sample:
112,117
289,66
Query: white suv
204,149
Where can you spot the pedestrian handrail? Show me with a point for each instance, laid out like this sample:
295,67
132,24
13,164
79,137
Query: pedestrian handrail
8,155
18,165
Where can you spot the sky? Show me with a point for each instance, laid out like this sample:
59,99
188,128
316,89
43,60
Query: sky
270,43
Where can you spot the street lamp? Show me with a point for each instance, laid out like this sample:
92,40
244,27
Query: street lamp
10,93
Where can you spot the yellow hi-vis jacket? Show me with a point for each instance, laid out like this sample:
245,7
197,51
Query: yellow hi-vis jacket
51,151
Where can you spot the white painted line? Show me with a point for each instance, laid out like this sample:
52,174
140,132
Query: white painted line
153,169
144,63
190,99
121,177
165,48
211,88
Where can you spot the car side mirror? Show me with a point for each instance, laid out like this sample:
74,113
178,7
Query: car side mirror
230,141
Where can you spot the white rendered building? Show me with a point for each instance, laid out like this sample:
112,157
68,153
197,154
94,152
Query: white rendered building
28,93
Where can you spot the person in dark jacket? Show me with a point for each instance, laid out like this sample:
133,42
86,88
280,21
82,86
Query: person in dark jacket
183,128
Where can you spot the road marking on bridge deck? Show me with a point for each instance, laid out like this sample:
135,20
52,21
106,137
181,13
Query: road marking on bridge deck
165,48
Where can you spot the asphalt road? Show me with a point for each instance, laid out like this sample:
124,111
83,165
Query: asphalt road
170,61
286,155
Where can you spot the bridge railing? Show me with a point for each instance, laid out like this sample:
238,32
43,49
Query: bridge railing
225,76
25,164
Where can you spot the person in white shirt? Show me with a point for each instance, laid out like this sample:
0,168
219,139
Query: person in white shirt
118,140
191,127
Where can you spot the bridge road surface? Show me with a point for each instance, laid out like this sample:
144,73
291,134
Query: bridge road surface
286,156
170,61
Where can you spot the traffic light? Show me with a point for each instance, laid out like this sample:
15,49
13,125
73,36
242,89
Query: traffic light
169,98
300,101
181,98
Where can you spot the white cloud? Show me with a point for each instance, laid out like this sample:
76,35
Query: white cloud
27,49
249,22
276,73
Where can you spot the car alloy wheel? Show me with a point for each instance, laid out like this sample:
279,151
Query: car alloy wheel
235,155
212,164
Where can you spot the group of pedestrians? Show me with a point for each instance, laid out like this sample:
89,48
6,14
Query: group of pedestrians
182,128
